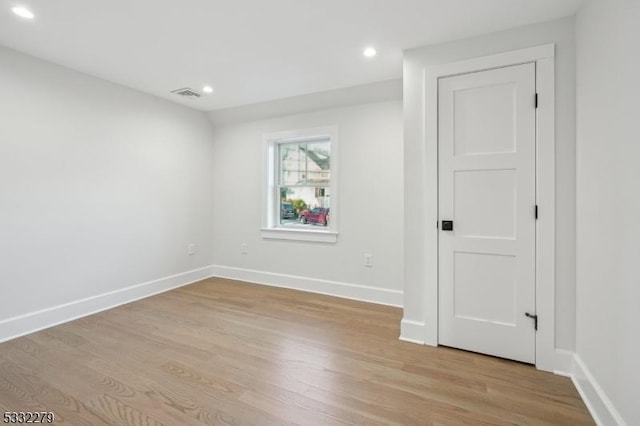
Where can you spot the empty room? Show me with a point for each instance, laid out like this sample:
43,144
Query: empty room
409,212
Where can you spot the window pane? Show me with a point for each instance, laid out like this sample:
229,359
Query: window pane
305,163
304,174
304,206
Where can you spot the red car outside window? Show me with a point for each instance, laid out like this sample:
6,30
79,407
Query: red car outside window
319,215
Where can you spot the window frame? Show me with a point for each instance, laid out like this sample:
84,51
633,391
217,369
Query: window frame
271,228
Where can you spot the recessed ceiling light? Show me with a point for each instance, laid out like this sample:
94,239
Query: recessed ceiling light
23,12
369,52
207,89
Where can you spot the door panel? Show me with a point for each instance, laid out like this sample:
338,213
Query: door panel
478,129
497,271
486,145
477,195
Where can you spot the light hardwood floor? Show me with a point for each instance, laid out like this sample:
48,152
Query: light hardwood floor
221,352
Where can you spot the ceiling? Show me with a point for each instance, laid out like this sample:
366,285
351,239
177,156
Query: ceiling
252,51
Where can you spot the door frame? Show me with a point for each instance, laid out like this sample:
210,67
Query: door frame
547,357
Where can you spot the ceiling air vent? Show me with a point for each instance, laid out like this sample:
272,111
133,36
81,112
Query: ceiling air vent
187,93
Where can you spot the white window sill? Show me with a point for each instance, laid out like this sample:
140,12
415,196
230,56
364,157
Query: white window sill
299,235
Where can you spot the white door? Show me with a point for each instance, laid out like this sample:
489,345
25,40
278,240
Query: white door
486,149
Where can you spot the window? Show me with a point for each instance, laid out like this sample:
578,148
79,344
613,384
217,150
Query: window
300,185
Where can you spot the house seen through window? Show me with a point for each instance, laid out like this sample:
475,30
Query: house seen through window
304,183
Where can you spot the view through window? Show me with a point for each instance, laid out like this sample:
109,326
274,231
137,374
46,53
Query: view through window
304,183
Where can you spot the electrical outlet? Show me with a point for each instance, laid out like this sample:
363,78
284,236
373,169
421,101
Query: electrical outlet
191,249
244,249
368,260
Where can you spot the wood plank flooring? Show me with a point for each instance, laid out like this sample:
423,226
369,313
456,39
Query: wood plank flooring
220,352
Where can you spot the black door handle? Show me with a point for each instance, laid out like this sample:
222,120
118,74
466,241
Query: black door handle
534,318
447,225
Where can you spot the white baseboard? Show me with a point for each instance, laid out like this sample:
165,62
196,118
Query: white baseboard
363,293
594,397
412,331
35,321
562,363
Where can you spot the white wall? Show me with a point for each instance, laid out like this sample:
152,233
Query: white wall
101,187
366,93
560,32
370,206
608,201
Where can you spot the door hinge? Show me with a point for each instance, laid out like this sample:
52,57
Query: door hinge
536,100
536,212
534,318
